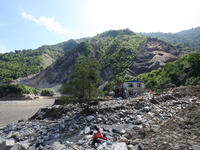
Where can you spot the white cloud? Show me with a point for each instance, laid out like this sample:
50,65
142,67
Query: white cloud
143,15
49,23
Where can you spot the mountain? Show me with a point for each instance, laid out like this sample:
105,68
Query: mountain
185,40
26,62
117,52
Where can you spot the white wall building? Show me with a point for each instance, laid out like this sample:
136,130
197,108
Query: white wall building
132,86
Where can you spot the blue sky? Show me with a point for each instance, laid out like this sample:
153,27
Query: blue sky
29,24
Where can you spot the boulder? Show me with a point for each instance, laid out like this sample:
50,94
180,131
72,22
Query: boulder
153,100
87,130
102,147
9,144
119,146
57,146
90,118
17,146
2,144
131,147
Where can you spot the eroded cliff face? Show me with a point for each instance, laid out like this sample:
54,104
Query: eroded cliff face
152,55
54,76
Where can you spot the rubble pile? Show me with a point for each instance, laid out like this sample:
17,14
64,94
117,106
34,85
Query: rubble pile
149,121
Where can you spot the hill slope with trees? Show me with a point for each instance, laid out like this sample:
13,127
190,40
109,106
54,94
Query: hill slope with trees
22,63
116,51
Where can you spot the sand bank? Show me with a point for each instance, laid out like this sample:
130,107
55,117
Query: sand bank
12,111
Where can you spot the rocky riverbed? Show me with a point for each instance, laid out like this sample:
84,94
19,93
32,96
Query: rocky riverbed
149,121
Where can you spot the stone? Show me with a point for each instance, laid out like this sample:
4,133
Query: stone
146,109
99,119
119,146
122,131
115,131
90,118
15,135
87,130
80,142
57,136
2,144
32,147
17,146
153,100
131,147
136,122
196,147
9,144
139,146
57,146
25,146
102,147
155,128
123,139
70,128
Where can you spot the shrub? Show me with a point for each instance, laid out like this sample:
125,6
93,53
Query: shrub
47,92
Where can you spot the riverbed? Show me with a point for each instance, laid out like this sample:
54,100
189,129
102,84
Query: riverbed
12,111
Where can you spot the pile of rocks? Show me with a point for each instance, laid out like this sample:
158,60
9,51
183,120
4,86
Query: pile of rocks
144,122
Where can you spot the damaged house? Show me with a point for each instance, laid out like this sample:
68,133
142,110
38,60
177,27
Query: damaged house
126,88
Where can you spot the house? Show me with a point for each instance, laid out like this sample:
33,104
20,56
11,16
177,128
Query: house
132,87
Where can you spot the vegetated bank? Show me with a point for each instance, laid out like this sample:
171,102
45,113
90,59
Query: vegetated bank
17,92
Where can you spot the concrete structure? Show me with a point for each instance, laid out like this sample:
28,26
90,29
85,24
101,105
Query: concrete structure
132,86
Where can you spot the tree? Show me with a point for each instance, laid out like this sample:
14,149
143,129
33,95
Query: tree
82,86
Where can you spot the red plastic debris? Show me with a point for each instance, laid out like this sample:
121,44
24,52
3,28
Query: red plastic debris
98,135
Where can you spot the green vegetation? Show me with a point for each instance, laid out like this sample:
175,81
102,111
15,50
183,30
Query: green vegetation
83,83
184,71
115,48
184,40
17,89
47,92
26,62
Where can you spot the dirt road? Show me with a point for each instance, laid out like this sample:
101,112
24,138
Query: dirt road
12,111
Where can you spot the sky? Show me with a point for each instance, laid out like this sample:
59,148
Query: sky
29,24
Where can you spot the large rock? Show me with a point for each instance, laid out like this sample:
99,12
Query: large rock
2,144
9,144
90,118
119,146
57,146
17,146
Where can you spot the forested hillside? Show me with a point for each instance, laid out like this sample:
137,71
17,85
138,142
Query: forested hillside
116,49
22,63
185,40
184,71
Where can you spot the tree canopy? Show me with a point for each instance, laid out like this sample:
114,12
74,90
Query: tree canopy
83,83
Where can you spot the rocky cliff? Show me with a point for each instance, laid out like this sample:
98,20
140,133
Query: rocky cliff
153,54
